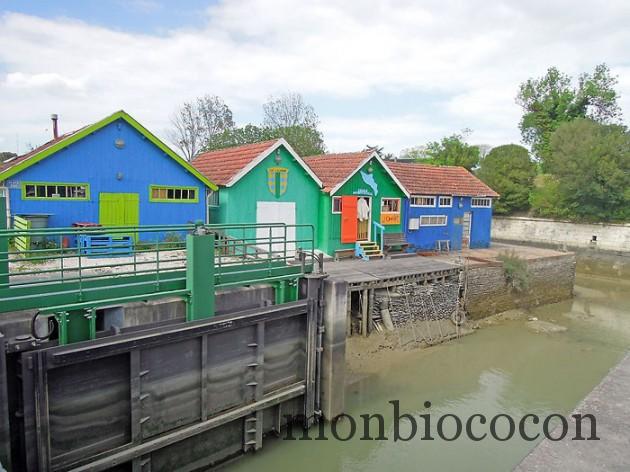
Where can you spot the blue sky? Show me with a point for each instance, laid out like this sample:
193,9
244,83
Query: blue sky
141,16
395,73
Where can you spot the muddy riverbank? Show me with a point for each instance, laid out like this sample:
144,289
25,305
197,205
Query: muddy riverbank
504,367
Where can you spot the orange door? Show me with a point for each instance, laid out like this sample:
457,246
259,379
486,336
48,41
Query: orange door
348,219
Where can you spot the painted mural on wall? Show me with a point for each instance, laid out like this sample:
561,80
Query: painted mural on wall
368,178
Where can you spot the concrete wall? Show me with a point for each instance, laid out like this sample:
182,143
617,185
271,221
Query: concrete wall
550,280
227,301
610,237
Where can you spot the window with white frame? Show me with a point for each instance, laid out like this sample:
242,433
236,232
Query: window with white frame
213,198
477,202
390,205
433,220
422,201
336,205
446,202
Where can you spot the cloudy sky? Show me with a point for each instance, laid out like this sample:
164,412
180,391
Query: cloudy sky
394,73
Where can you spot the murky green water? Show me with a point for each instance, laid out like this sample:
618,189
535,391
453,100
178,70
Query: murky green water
500,369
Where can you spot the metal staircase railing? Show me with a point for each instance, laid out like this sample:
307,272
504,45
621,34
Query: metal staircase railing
379,229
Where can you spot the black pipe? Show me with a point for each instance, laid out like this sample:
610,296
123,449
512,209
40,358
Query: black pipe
51,328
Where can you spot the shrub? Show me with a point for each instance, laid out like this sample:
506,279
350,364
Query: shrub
515,269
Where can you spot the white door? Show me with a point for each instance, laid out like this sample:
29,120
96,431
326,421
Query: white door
276,212
466,230
364,226
4,192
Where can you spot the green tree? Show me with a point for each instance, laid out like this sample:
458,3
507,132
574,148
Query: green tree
551,100
417,153
509,171
544,199
452,151
306,141
237,136
590,163
290,117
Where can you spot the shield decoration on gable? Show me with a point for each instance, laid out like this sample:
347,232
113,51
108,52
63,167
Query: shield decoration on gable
277,179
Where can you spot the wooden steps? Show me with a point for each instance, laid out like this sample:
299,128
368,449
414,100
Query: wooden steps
371,250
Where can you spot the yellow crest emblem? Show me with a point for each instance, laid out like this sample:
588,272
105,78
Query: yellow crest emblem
277,179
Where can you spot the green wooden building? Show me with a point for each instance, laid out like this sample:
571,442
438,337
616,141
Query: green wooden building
265,182
360,198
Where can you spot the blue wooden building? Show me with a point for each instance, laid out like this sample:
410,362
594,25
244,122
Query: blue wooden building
113,172
447,207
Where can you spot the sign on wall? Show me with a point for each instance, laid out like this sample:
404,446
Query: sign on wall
277,180
390,218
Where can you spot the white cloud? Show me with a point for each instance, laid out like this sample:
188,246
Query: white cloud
470,55
352,134
47,81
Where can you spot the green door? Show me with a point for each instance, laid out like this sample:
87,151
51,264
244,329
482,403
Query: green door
119,209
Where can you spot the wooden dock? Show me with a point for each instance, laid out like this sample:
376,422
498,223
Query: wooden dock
364,277
390,272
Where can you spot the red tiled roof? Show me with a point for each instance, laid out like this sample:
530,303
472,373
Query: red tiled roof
17,160
332,169
222,165
423,179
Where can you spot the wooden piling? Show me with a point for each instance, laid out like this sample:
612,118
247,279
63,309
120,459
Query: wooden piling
364,312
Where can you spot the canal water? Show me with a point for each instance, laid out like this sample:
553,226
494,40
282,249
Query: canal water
502,368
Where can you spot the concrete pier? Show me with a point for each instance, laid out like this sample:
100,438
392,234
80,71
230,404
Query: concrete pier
609,402
334,348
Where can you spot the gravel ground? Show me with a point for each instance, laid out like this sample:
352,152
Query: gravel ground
91,266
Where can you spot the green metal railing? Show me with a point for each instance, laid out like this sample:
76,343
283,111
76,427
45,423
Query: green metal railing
61,272
379,230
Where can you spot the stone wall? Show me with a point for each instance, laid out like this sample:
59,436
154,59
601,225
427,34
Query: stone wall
605,237
488,292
